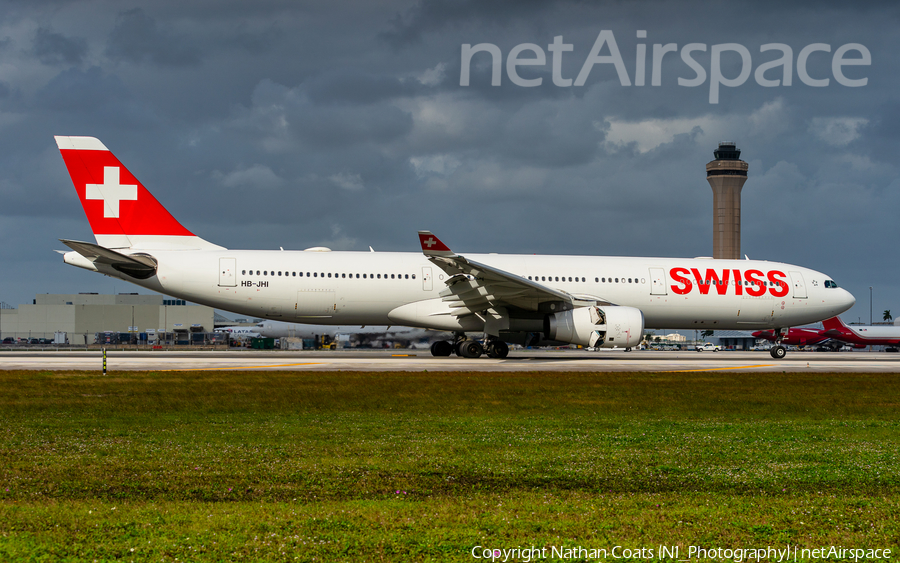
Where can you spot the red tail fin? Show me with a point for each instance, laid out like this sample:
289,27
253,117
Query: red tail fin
121,211
834,323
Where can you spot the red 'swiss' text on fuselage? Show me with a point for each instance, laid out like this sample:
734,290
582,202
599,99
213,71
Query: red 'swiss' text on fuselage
757,282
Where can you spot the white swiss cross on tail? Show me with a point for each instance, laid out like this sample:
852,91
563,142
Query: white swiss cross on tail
432,246
111,191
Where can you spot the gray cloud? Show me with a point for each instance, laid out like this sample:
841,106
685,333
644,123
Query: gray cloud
77,90
137,38
55,48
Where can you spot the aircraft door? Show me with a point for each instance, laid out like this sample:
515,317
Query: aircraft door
657,281
227,274
799,286
427,282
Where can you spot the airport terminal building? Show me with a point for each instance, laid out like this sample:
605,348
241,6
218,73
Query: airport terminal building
79,317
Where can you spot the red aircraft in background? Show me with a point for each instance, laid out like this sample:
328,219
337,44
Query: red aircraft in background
835,329
861,336
795,336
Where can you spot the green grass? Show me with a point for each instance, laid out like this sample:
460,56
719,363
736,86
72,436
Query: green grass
283,466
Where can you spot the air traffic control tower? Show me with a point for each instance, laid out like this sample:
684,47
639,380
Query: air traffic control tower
726,176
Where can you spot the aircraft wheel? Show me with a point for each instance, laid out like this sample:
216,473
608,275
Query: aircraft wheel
469,349
778,352
498,349
441,348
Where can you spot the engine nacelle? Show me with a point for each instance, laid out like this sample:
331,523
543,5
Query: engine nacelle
598,327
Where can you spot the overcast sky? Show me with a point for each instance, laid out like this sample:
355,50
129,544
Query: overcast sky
291,124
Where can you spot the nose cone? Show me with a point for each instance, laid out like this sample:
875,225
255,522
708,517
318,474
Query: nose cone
844,300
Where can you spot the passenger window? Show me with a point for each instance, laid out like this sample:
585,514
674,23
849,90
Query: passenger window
570,278
379,276
413,276
596,280
279,272
629,280
392,276
243,272
315,274
257,272
617,280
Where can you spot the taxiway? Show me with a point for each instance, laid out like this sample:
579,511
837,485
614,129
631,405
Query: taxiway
421,360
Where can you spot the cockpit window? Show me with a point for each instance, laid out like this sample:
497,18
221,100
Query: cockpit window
829,283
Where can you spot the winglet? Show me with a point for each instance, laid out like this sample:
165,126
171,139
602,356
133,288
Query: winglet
432,246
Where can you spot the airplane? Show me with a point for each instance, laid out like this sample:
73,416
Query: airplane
281,329
795,337
862,336
241,331
835,329
592,301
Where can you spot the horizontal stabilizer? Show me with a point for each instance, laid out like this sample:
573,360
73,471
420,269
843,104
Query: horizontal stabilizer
140,266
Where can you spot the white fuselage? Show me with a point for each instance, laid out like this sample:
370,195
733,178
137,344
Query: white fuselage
875,332
401,288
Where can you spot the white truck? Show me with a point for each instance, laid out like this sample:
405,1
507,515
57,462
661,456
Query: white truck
707,347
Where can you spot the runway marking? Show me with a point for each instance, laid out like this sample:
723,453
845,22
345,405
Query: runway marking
717,369
403,355
243,367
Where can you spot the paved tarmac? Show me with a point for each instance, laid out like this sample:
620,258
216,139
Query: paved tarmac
420,360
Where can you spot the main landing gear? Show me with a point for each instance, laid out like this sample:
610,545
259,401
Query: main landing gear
465,348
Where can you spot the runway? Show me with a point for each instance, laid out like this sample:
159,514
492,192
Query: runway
421,360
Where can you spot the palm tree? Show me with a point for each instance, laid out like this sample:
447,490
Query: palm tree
887,315
706,333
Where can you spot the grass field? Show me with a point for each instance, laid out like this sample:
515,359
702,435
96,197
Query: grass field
304,466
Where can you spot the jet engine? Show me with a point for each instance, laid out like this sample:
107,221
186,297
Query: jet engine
597,327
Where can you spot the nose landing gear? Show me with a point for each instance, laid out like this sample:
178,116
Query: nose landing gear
778,351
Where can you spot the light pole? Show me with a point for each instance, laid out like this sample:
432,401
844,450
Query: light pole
870,304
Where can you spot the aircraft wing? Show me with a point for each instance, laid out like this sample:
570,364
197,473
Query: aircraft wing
473,287
136,265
